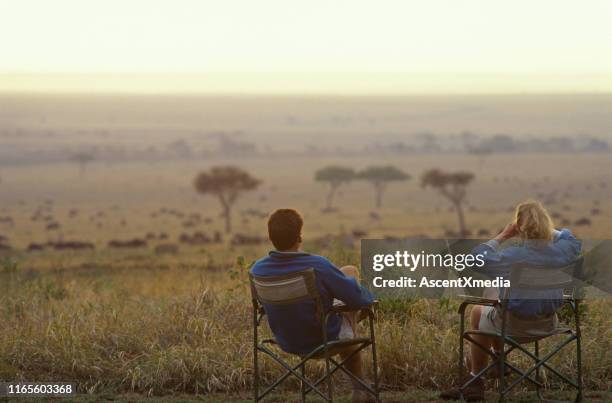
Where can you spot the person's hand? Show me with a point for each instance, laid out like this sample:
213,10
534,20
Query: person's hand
508,232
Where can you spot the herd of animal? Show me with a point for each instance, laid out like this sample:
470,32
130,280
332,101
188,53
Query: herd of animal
193,222
160,241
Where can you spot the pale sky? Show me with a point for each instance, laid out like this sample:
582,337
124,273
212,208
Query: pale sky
307,45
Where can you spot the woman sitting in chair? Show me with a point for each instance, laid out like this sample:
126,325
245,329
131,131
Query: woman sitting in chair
541,246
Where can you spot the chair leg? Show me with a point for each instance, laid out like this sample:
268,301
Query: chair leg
255,358
302,384
579,369
578,352
255,375
255,381
328,376
461,360
330,386
374,359
502,375
536,352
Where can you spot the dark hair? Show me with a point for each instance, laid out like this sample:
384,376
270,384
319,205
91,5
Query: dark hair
285,228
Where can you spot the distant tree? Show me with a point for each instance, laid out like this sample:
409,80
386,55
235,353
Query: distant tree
596,145
82,160
501,143
481,152
227,183
453,186
180,148
335,176
380,177
428,142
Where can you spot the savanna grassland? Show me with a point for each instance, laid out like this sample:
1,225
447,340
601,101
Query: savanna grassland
168,316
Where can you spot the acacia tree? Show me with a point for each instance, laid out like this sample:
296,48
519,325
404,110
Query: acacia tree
453,186
335,176
227,183
380,177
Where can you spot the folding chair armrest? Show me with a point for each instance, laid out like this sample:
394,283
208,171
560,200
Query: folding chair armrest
342,307
365,312
474,300
572,301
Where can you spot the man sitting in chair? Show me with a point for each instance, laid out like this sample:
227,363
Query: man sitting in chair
541,246
296,327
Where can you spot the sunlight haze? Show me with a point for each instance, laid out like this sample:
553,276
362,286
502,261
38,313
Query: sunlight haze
321,46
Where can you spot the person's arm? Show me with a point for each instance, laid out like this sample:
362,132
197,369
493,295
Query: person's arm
490,248
344,288
492,255
567,244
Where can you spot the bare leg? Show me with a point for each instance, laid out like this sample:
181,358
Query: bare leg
493,293
354,317
479,357
354,364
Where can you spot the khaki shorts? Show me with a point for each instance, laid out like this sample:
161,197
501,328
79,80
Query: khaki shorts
346,330
539,326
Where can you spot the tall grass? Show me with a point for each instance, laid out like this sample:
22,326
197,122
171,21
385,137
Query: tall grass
188,330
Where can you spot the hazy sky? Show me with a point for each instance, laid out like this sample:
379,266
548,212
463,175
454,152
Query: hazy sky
308,45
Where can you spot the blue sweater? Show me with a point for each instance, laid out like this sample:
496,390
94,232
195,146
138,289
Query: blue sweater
296,327
561,251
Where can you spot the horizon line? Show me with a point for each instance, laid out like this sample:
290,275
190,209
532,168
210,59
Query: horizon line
298,94
302,83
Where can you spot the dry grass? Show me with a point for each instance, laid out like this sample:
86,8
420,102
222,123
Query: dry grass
123,322
185,329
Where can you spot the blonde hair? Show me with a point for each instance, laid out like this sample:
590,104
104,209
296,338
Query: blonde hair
533,221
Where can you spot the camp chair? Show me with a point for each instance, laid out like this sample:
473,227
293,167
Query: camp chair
295,288
527,278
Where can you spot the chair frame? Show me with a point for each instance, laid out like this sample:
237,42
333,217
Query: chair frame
509,343
327,350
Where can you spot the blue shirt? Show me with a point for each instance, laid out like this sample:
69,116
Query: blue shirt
563,250
296,327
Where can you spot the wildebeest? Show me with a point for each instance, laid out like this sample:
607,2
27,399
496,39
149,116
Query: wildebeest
328,240
53,226
71,245
35,247
241,239
255,213
374,215
131,243
198,238
582,221
484,232
166,249
217,238
358,233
